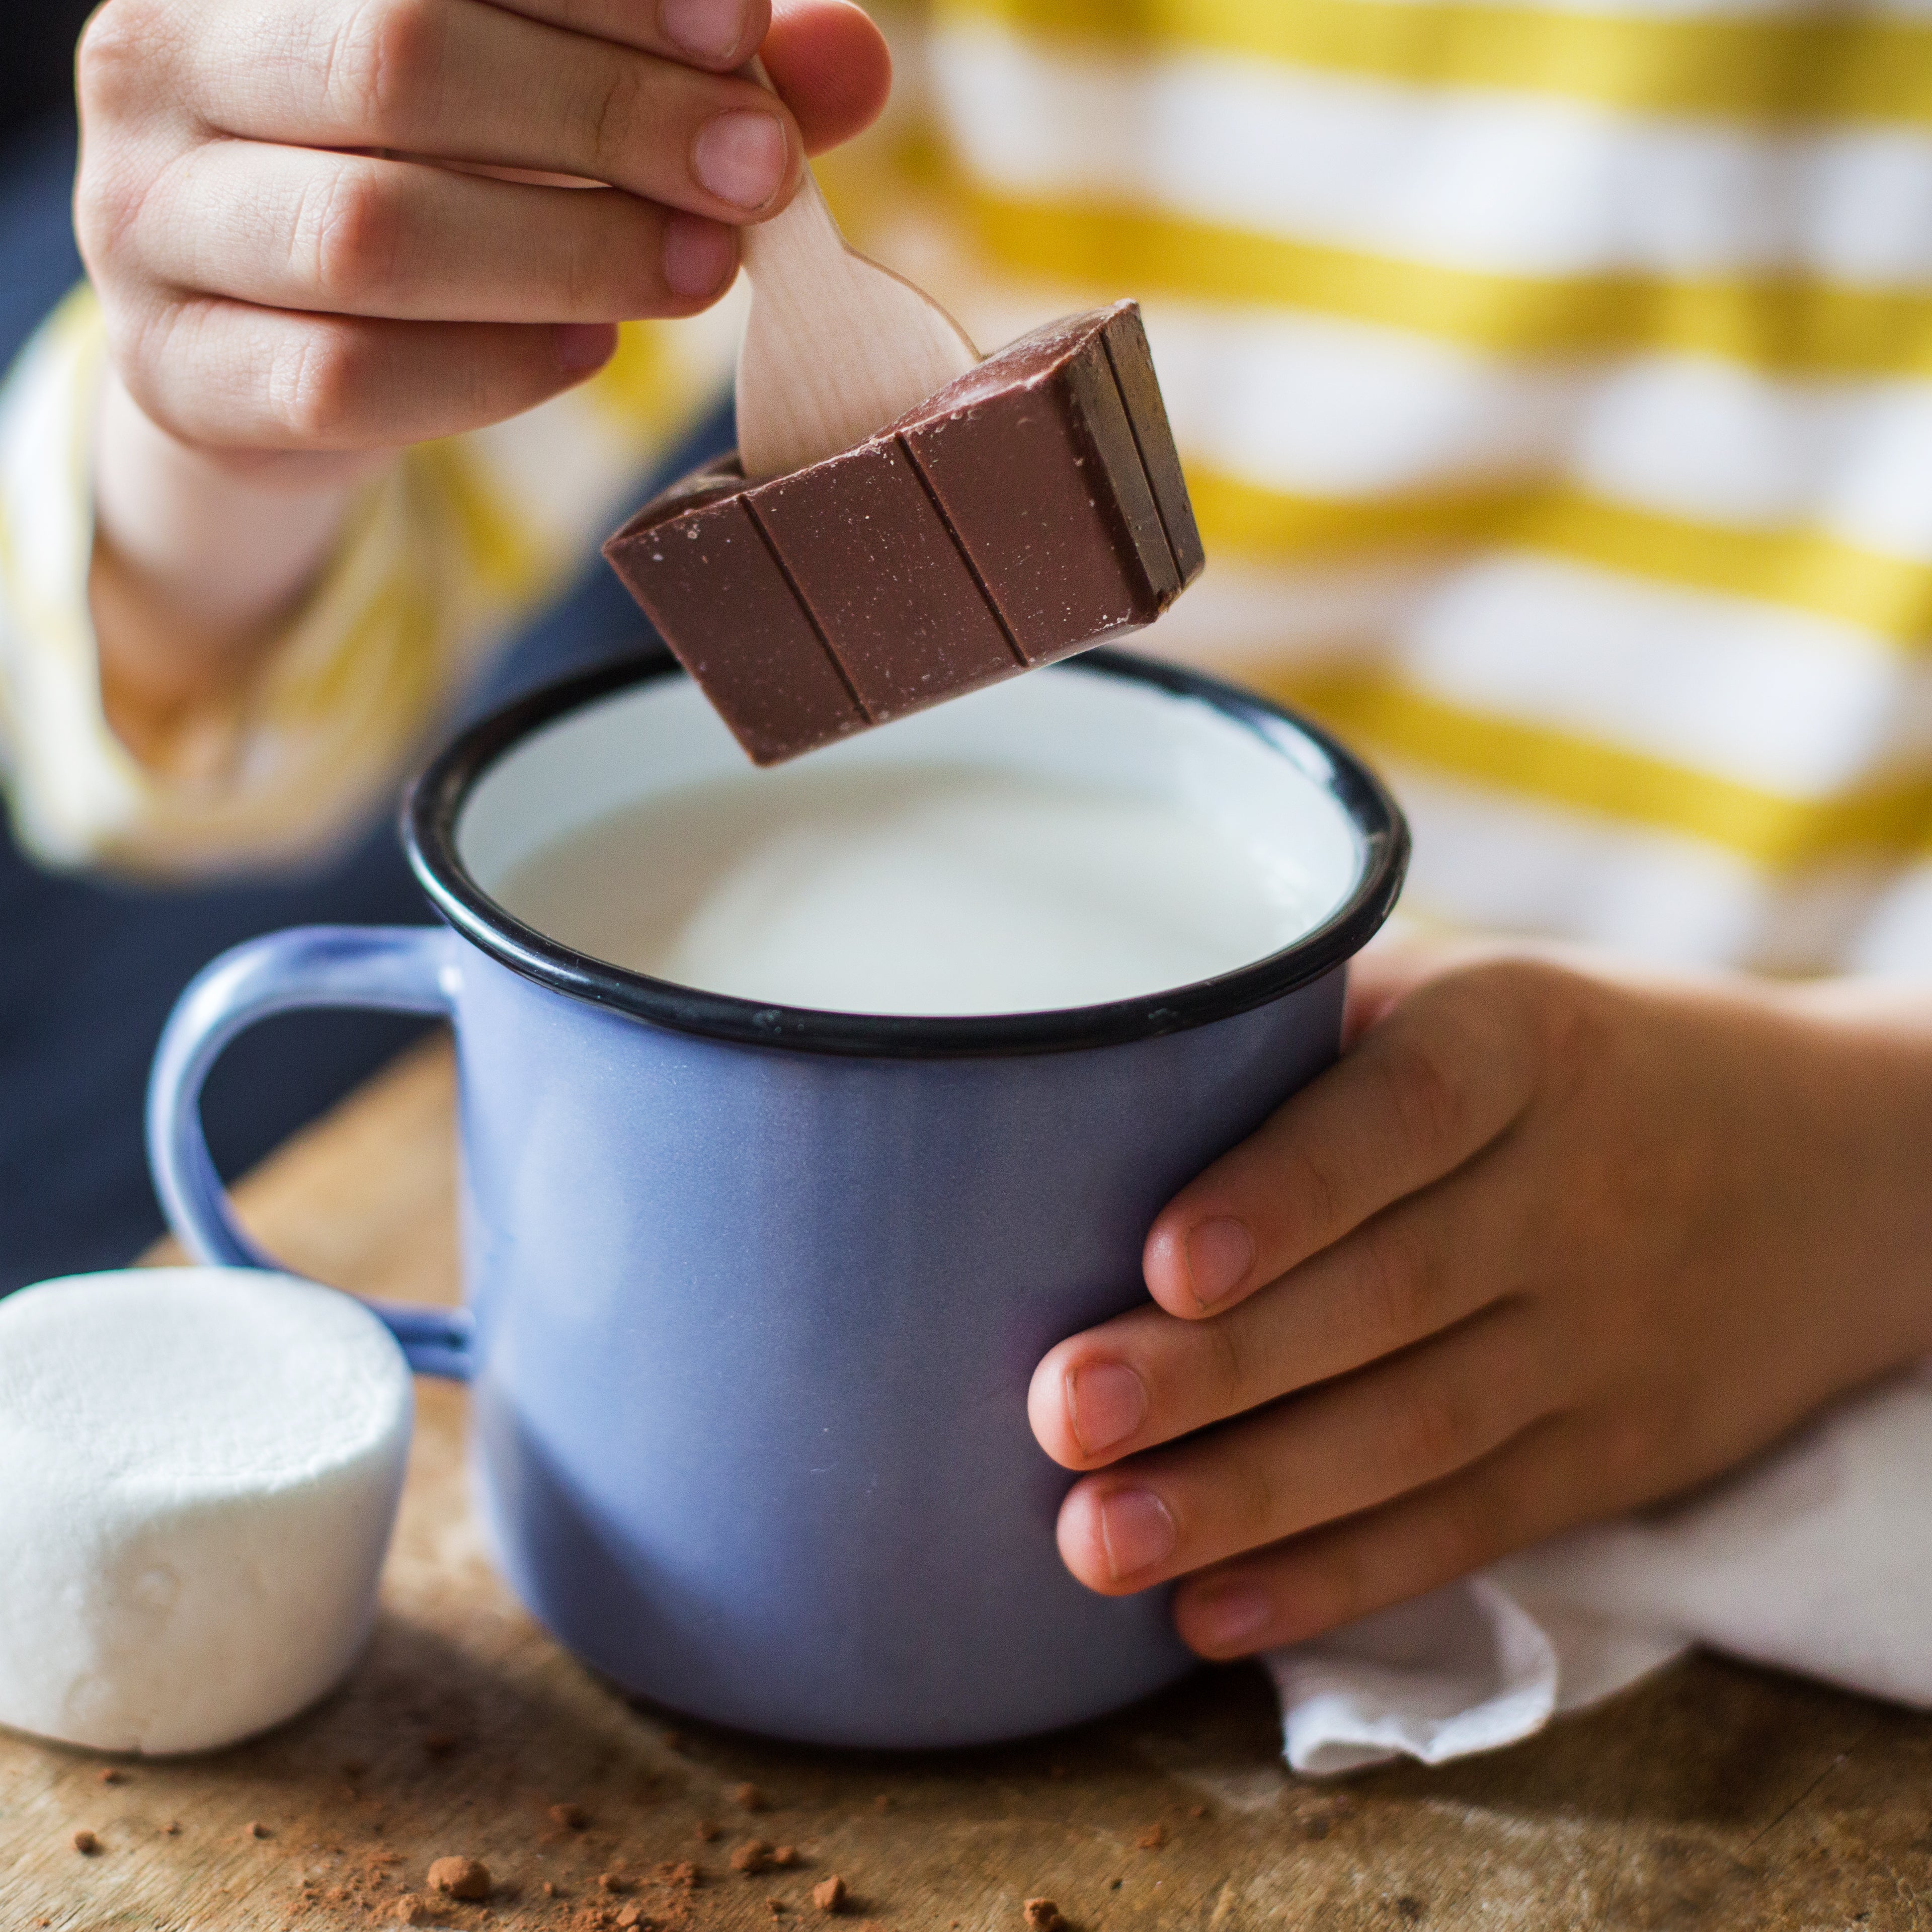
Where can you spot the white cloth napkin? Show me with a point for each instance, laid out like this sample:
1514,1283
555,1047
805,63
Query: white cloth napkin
1817,1558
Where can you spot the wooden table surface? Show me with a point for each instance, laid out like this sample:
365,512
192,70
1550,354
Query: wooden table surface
1711,1796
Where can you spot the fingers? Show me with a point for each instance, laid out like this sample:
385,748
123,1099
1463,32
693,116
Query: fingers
230,375
461,80
1448,1069
1542,1481
1146,1379
356,234
714,34
833,67
1313,1459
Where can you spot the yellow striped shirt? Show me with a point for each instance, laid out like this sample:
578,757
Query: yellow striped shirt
1555,381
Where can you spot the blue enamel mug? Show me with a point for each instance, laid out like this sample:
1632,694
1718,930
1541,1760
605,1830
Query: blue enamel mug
754,1293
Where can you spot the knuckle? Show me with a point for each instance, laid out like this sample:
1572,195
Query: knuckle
1312,1193
1464,1534
107,204
624,277
1625,1454
1424,1096
1551,1014
612,118
1396,1279
1257,1516
313,379
144,340
598,278
1430,1428
1229,1369
115,61
347,239
1337,1587
383,67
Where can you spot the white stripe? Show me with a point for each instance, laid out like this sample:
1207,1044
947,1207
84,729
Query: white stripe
1819,921
1309,406
1897,936
1512,865
1708,441
1241,618
1768,698
1502,182
1509,865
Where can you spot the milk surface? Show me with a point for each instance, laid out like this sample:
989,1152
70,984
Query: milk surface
926,889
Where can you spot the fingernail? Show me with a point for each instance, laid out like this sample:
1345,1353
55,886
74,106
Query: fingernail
1230,1619
1219,1254
580,346
708,28
1106,1402
1137,1531
699,255
740,157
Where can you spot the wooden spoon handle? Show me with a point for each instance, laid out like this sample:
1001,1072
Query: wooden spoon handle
802,233
836,346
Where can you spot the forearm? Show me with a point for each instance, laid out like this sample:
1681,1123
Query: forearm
197,562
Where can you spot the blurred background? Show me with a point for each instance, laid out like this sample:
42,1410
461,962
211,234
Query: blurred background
37,72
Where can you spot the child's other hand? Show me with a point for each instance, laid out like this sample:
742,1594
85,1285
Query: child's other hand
1546,1245
277,205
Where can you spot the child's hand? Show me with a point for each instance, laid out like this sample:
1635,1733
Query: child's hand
276,205
1545,1245
296,215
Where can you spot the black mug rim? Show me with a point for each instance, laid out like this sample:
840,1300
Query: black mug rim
434,805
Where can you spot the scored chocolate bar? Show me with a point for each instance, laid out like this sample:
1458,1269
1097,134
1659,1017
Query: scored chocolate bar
1032,507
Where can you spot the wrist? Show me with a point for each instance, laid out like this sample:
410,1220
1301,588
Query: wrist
198,558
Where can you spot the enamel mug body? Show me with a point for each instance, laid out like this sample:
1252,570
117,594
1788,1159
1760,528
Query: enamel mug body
754,1293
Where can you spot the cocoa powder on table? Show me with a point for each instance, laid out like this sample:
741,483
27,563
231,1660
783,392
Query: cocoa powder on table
463,1878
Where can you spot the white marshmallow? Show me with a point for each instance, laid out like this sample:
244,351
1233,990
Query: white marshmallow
199,1472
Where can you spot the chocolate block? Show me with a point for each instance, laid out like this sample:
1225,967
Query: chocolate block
1032,508
717,590
904,614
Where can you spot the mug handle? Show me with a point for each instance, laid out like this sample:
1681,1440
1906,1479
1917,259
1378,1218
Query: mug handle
408,969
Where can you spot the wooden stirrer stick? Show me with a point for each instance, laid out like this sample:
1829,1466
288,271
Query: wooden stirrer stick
836,346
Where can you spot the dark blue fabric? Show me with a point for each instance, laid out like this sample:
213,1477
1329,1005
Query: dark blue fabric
37,72
89,967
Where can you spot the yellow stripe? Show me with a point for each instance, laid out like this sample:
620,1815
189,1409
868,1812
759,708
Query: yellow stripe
1889,597
1777,832
640,384
504,562
1819,68
1273,525
1783,323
